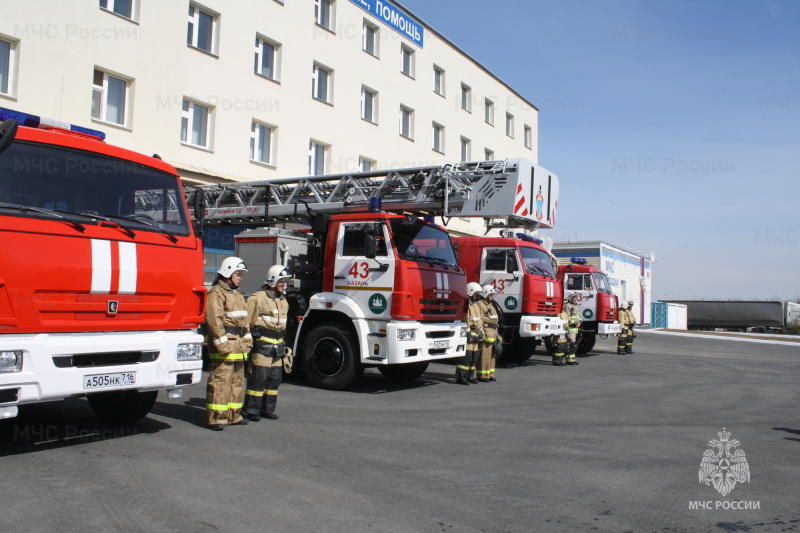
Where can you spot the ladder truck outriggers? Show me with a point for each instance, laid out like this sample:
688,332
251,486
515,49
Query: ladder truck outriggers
376,283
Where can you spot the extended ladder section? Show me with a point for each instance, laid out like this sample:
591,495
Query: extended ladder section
510,193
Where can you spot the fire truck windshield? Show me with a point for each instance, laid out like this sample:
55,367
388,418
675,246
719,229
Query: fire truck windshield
601,280
421,242
537,262
47,182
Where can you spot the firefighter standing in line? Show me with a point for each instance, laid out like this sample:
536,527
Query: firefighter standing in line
229,343
465,369
627,319
267,310
568,344
486,359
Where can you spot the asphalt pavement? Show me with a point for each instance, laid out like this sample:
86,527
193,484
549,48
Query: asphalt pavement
615,444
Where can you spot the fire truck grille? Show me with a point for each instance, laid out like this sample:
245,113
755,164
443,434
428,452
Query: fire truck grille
445,334
87,360
439,307
543,309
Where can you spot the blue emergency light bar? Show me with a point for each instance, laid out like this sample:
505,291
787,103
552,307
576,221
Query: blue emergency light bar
529,238
578,260
35,121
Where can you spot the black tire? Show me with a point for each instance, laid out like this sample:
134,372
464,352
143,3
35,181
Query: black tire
330,357
403,373
550,344
122,407
586,344
519,351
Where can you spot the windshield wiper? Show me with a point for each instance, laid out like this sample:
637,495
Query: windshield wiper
171,237
62,218
129,232
540,269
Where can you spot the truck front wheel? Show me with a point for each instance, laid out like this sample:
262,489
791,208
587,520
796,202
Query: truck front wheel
403,373
330,358
122,407
586,344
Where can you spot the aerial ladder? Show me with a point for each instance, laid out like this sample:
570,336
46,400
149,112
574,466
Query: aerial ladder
512,193
376,284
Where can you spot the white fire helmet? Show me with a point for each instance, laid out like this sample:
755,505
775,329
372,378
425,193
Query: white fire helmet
487,290
275,274
573,295
630,303
472,288
231,265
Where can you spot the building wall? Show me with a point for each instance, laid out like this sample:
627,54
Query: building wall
629,274
57,46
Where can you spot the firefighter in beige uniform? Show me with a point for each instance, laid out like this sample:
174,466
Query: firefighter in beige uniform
627,319
267,311
486,359
567,344
229,343
465,368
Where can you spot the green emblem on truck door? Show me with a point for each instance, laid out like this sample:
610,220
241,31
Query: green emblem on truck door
377,304
587,314
511,303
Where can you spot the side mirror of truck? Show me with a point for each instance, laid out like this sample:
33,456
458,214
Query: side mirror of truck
370,247
511,265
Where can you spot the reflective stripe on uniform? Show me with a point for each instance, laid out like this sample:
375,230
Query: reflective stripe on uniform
255,392
271,392
462,367
222,339
229,357
268,340
236,314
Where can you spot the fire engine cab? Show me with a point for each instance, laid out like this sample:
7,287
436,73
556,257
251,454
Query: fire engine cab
101,281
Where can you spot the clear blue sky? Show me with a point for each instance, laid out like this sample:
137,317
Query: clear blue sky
674,127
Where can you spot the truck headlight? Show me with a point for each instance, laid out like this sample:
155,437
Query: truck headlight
406,334
463,331
10,362
190,352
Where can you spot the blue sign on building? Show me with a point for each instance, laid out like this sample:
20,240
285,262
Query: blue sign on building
394,18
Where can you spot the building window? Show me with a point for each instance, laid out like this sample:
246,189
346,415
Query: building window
438,80
365,165
466,148
321,84
123,8
109,98
317,153
407,122
261,143
528,137
489,112
369,105
510,125
466,98
369,39
438,138
488,154
202,28
324,13
407,61
195,124
267,58
7,49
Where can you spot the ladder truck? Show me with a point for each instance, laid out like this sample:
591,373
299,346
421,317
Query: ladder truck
376,283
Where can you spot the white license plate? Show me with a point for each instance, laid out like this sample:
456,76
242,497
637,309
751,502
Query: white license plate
438,345
101,381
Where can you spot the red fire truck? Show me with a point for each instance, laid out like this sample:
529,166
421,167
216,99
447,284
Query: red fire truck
101,279
597,304
375,283
529,296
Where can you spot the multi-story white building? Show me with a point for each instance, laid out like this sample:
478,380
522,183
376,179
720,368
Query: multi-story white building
630,274
261,89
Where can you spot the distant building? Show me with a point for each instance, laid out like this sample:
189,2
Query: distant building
630,274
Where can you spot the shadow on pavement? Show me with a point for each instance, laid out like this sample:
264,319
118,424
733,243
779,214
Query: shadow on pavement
50,425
